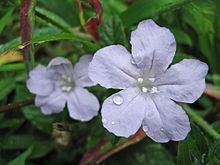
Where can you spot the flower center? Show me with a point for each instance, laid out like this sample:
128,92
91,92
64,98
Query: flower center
147,85
67,83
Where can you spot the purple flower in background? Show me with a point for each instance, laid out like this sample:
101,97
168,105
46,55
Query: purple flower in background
59,83
149,87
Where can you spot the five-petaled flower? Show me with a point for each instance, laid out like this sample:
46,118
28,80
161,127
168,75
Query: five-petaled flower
149,87
59,83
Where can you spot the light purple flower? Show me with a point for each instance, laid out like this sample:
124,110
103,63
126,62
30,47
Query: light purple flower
61,83
149,87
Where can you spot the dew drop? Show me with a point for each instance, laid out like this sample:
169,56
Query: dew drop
162,129
138,58
112,122
144,89
105,121
118,99
132,61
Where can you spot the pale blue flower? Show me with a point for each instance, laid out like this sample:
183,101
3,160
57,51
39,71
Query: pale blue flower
149,87
61,83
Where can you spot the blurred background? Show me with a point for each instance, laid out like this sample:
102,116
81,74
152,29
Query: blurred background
35,31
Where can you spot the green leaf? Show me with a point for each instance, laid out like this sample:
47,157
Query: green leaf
67,10
144,9
144,152
7,123
193,149
39,120
52,37
33,114
42,148
112,31
52,18
12,67
21,159
182,37
5,19
18,141
200,16
6,86
214,156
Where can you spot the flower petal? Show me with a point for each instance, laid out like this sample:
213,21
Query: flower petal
39,81
165,120
81,72
123,112
184,81
153,47
82,104
111,67
54,103
61,65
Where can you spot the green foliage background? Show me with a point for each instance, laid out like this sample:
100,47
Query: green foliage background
28,137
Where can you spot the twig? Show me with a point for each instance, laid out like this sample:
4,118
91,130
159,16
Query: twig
15,106
95,156
210,91
94,152
132,140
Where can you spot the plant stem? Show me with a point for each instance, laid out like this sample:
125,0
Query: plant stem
201,122
26,26
15,106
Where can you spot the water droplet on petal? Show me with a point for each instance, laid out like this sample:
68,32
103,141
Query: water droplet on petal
162,129
144,89
104,121
113,122
118,99
132,61
138,58
140,80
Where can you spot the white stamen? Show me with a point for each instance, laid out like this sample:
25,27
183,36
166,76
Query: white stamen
68,88
152,79
64,76
140,80
64,88
144,89
154,90
69,79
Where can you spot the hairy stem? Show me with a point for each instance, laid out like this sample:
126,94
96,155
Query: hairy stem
26,25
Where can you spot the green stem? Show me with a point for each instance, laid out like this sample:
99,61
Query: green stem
11,67
201,122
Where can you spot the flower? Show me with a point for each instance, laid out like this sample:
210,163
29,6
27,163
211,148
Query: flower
59,83
149,87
